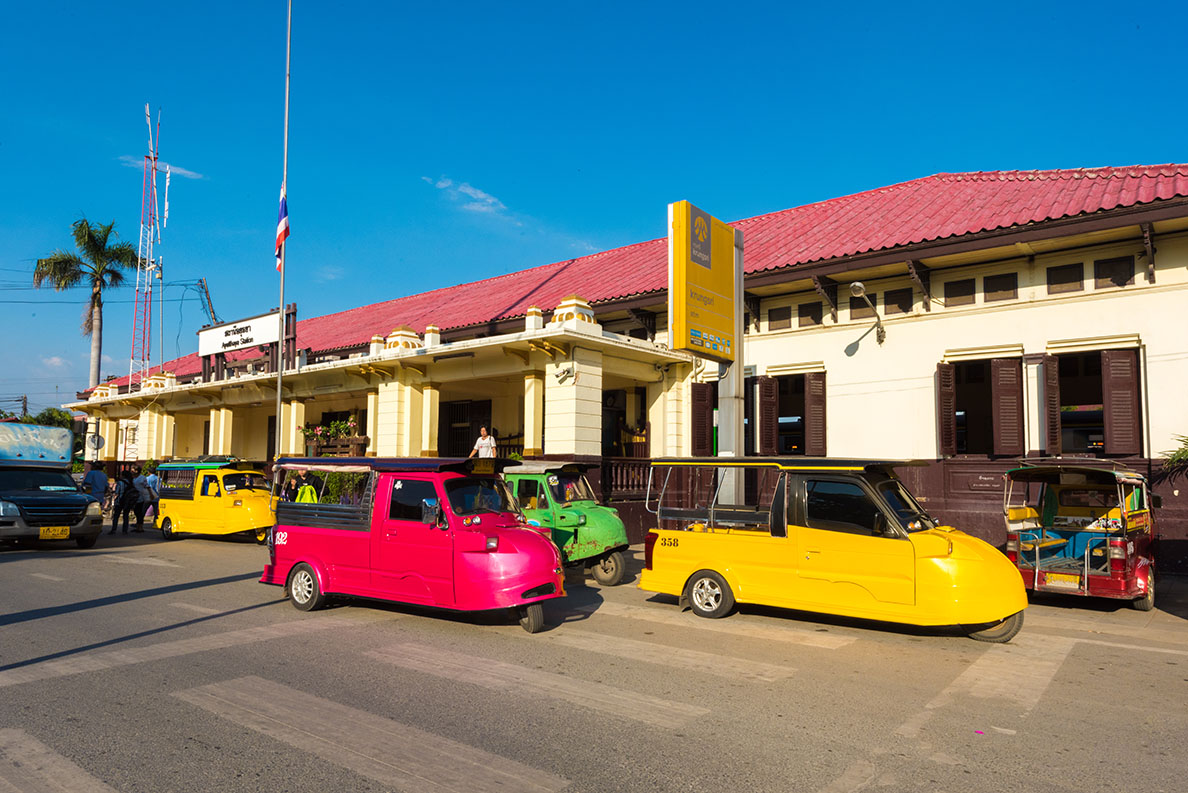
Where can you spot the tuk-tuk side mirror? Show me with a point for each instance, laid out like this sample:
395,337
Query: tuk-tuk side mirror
430,511
1156,501
880,525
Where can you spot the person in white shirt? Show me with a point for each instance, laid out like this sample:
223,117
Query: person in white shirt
484,446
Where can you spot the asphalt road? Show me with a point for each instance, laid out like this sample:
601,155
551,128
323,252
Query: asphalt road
142,665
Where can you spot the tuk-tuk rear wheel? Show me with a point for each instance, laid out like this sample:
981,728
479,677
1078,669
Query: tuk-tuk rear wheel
532,617
261,536
167,530
1000,633
609,570
709,595
304,592
1147,601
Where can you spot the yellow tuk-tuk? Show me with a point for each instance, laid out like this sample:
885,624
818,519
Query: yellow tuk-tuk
213,497
840,537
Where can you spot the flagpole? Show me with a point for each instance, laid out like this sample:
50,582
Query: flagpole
280,339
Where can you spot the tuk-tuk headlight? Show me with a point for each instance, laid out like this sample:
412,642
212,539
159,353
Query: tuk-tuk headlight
9,510
237,502
582,519
94,509
492,543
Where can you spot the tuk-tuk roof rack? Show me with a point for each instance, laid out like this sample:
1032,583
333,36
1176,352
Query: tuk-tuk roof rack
361,464
1078,462
547,466
790,463
203,461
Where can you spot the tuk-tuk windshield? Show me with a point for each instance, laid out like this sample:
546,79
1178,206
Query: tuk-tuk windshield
477,494
566,487
245,482
911,515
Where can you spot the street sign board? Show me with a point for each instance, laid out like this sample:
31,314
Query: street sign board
702,304
250,332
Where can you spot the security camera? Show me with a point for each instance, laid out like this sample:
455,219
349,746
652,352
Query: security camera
564,374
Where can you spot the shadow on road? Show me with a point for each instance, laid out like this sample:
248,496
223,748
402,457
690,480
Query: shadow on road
51,611
130,637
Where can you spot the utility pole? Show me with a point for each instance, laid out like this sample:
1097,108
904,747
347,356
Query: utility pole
24,405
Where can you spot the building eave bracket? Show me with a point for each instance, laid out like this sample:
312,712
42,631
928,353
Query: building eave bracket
922,277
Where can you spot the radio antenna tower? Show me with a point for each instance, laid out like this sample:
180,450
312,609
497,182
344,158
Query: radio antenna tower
148,268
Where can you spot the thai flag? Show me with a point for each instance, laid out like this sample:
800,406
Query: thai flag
282,228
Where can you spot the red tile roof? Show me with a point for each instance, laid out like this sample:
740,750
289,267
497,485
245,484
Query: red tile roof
922,210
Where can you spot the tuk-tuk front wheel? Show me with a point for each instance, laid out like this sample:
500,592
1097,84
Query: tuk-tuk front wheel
167,530
1147,601
1000,632
709,595
304,592
610,569
532,617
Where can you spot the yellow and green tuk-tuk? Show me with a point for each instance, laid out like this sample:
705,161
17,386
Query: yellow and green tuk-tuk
213,497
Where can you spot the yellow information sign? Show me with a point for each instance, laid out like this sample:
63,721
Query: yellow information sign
702,303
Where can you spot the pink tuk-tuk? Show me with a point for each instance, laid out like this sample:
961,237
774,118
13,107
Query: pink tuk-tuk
444,533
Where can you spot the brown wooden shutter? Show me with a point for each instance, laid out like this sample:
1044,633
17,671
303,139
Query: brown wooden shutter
1120,401
703,419
769,416
814,414
946,408
1052,444
1006,391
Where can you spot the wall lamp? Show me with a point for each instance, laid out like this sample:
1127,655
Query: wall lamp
858,289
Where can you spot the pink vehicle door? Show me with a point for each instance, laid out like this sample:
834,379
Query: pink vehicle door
413,560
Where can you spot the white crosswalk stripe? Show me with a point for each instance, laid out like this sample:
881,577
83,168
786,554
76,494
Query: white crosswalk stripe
29,766
668,656
671,615
47,576
195,608
147,560
501,676
393,754
93,662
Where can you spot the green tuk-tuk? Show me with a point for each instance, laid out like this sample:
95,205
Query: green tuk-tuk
557,496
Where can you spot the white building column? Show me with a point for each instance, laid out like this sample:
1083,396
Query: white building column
430,406
534,407
372,428
291,438
222,422
573,404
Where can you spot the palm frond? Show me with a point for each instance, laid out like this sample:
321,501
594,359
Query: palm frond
60,269
1177,459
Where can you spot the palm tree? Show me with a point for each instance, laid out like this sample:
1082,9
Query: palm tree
96,262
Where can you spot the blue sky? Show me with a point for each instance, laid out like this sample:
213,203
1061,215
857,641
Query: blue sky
433,144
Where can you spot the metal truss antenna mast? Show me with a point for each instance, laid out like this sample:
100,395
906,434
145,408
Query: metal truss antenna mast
148,268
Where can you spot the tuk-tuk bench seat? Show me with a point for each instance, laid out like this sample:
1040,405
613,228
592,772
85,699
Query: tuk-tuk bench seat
1048,542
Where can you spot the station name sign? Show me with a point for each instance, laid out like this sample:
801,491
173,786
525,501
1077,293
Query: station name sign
240,334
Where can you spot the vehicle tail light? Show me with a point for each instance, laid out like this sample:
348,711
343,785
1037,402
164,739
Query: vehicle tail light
1012,547
649,543
1117,556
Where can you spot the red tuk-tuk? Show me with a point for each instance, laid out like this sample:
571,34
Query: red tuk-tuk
1082,530
436,532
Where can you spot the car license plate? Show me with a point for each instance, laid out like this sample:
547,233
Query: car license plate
54,533
1063,580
